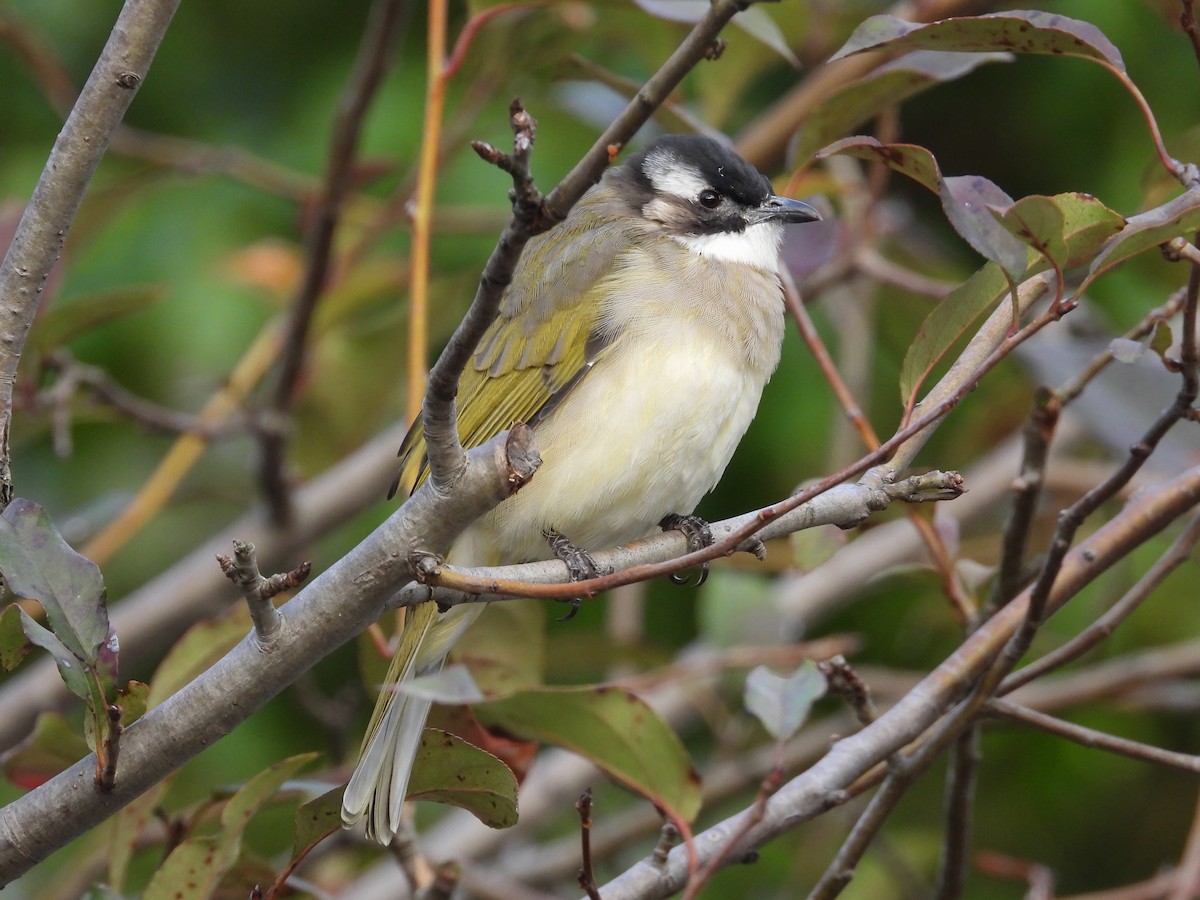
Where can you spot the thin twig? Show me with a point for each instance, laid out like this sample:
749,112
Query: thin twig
1068,391
1090,737
374,57
1187,21
106,776
453,585
1074,516
73,374
951,583
1039,877
766,790
841,869
1187,875
587,879
1178,553
1027,489
243,571
965,757
187,450
846,683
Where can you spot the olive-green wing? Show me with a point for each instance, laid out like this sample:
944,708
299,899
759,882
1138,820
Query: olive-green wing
542,343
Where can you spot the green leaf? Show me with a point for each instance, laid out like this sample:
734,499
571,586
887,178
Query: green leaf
64,322
52,747
1070,226
1161,340
1027,32
128,825
910,160
1087,224
1038,223
1067,229
250,798
611,727
189,873
13,643
134,700
782,703
1146,231
946,323
450,770
316,820
69,665
38,564
505,650
861,100
195,867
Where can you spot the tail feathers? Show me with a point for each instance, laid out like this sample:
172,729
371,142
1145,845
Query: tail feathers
376,791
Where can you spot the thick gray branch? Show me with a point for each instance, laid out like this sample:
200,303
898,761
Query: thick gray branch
339,604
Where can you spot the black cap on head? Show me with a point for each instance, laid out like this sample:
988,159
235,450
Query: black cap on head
718,165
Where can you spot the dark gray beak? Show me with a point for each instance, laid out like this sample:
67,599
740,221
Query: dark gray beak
784,209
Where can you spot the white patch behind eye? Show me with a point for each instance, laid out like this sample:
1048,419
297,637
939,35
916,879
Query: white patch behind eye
756,245
670,176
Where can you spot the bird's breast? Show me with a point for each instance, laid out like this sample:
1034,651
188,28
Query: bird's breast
650,429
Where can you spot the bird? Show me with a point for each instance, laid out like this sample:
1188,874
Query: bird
635,339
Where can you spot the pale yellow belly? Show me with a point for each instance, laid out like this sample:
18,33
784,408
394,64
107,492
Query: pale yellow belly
646,433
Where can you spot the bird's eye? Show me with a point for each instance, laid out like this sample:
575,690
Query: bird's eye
709,199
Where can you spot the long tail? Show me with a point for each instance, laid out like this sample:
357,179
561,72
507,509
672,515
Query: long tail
377,788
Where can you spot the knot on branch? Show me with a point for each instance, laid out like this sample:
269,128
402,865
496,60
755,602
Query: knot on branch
521,455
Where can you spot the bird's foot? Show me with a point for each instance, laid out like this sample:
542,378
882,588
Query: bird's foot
698,535
579,563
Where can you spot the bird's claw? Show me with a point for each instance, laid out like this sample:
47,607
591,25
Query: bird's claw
698,535
682,579
579,563
575,602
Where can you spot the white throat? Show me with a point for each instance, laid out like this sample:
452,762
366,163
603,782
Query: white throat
756,245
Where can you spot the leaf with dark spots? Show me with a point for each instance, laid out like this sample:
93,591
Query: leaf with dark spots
1066,229
1019,31
316,820
13,643
450,770
199,863
907,159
